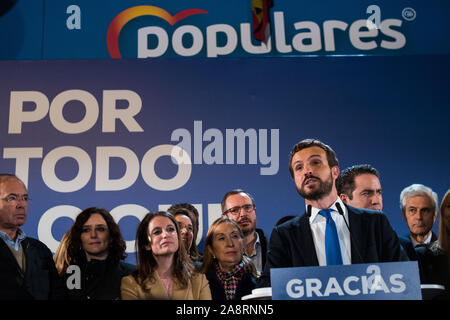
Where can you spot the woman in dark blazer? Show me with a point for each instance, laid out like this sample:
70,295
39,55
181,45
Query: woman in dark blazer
231,275
434,260
95,245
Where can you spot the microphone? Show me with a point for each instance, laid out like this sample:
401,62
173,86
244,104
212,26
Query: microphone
308,210
341,212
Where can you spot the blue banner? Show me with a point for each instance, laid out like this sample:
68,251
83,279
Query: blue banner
108,133
380,281
80,29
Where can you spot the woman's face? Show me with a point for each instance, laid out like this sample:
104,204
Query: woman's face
162,236
186,230
227,246
95,237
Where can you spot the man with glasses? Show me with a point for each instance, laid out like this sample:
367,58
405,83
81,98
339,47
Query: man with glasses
27,270
239,206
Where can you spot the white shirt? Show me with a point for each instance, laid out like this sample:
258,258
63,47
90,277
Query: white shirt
257,254
426,242
318,225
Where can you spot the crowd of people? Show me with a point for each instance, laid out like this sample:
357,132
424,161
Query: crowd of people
343,224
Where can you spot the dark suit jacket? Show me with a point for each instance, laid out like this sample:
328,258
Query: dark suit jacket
373,240
434,266
244,287
407,245
39,281
100,280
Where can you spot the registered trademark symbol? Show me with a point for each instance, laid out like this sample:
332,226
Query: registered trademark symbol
409,14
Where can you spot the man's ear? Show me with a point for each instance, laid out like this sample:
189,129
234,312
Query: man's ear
344,197
404,215
335,172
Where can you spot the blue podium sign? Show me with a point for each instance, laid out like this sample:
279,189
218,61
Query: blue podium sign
377,281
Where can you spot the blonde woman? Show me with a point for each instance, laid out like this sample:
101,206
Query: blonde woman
434,261
62,260
231,275
444,226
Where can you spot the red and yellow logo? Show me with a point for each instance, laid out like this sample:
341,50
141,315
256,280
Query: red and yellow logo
112,36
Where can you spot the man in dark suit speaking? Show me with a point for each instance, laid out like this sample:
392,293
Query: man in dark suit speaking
330,232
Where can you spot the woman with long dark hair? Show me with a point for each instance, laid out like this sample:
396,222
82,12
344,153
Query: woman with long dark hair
164,269
95,245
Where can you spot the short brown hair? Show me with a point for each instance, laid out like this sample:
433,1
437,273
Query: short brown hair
345,183
307,143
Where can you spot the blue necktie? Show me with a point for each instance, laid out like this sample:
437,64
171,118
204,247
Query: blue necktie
332,248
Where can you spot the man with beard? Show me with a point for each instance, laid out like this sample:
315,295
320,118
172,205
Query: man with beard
239,206
302,241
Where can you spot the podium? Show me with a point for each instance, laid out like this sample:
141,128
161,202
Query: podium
375,281
431,291
259,294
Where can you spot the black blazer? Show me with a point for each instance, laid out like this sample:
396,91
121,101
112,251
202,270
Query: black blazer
39,281
244,287
373,240
407,245
100,280
434,266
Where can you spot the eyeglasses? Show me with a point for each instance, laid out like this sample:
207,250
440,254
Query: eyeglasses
16,198
236,210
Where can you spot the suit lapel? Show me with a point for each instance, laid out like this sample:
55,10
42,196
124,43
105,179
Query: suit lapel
306,243
157,288
179,293
6,254
433,237
7,257
356,236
